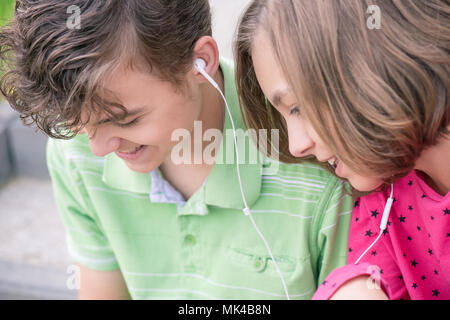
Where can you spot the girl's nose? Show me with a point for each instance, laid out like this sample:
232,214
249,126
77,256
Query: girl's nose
301,147
300,143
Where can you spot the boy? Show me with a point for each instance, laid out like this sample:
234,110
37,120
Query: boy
116,85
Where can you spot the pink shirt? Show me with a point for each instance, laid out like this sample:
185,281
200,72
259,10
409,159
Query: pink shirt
411,260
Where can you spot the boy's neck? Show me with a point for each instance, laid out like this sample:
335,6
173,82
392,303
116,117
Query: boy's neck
211,116
213,107
188,178
434,162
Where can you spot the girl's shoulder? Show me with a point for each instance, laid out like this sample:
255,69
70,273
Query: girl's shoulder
411,188
407,186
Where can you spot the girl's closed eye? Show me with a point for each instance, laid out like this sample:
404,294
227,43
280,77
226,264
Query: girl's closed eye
295,110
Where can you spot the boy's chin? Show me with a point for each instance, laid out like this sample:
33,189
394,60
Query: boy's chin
142,167
139,169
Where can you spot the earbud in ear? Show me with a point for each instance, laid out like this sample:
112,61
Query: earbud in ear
199,64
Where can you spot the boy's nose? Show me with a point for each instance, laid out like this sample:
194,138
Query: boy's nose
102,144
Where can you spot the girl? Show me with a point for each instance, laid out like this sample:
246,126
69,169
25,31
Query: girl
373,105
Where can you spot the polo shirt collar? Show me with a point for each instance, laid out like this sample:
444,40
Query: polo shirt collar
221,187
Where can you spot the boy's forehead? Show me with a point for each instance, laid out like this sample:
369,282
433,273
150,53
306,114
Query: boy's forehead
125,81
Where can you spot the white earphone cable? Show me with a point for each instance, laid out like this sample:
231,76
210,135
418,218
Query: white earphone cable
246,210
383,224
200,67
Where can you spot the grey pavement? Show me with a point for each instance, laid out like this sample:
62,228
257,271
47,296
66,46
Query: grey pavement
34,262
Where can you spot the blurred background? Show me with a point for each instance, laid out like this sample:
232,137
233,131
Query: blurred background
34,263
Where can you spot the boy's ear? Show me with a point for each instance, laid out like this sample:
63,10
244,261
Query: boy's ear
206,48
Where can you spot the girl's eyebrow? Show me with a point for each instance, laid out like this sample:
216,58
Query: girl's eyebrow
129,114
278,96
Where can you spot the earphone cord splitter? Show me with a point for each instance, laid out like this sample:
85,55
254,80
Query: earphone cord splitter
384,221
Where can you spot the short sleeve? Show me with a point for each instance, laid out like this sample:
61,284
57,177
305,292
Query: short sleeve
331,235
346,273
377,262
364,230
86,243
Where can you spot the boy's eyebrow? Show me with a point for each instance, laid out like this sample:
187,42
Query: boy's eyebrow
129,114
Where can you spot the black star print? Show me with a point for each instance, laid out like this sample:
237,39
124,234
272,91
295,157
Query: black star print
435,293
418,228
369,233
385,232
446,211
423,278
374,253
409,238
356,219
357,203
432,218
410,183
414,263
430,251
400,277
375,213
402,218
448,234
414,286
424,196
435,272
350,250
410,207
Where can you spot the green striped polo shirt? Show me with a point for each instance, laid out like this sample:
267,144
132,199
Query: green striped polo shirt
204,247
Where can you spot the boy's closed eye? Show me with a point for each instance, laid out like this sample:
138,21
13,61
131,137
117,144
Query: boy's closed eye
127,124
121,125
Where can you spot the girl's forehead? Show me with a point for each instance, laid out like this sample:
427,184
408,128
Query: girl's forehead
260,39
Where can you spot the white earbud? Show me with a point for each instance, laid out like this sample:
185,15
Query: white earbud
200,65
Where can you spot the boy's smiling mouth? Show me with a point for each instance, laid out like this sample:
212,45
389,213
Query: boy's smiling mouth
131,155
132,151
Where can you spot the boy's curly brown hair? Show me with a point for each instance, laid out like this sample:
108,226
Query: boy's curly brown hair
53,72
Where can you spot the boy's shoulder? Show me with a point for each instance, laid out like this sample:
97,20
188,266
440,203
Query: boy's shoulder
303,169
304,178
75,152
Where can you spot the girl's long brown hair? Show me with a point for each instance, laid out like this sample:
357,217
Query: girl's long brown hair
376,97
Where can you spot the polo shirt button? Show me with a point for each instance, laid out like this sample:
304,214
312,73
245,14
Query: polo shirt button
259,263
189,240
